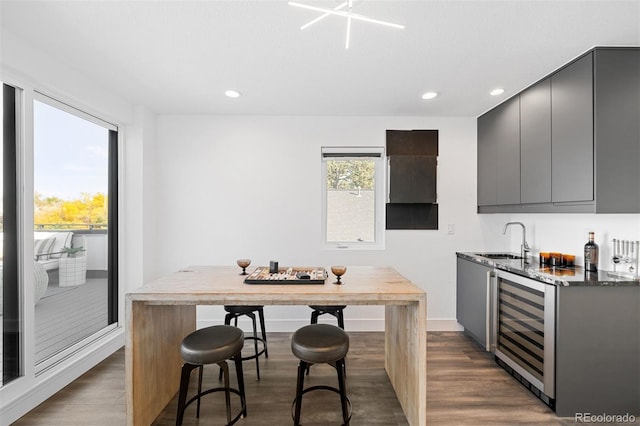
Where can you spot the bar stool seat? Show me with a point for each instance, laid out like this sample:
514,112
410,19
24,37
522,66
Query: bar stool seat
233,313
212,345
320,344
334,310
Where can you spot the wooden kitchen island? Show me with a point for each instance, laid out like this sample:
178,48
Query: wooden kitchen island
160,314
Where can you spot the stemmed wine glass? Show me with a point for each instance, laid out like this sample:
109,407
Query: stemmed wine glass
243,263
338,271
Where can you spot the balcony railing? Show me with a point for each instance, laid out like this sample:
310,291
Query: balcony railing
80,228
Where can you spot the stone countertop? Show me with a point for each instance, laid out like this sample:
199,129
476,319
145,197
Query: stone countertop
560,276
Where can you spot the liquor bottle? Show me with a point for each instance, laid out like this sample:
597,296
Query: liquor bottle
591,252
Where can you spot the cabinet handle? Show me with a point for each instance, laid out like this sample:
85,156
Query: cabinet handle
489,314
488,336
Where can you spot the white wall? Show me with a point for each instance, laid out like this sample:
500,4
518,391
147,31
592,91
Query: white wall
564,233
233,187
138,224
21,63
150,236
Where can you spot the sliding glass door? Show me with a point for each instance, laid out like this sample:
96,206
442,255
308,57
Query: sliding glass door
75,229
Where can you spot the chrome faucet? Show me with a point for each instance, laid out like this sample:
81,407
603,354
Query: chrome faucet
524,247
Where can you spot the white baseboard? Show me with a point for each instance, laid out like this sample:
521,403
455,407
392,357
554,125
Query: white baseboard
443,324
50,382
357,324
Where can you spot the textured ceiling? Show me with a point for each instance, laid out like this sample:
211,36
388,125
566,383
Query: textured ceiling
180,56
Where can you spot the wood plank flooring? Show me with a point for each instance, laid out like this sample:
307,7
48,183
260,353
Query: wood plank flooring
465,387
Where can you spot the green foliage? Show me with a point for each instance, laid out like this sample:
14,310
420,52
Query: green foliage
350,174
88,210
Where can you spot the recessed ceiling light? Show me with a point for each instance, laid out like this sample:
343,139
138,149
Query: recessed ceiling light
496,92
429,95
232,93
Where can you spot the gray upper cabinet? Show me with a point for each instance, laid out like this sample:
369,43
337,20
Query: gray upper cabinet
508,164
499,155
578,141
535,143
572,132
487,160
617,130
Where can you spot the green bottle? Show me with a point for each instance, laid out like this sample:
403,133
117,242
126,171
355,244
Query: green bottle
591,253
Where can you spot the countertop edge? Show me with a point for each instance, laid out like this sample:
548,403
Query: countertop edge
531,270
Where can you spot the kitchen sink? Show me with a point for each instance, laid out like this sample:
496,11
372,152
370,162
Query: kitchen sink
498,255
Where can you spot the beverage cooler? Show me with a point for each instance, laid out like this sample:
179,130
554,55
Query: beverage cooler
524,338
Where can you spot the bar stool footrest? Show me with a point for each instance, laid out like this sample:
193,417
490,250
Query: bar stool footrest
222,389
254,356
322,387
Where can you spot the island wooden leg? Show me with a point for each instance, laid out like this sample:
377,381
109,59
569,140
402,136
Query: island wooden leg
152,357
406,357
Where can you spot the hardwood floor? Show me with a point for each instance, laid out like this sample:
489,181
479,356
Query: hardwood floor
465,387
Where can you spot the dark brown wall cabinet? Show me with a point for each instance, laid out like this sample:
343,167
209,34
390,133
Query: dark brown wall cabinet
412,181
570,143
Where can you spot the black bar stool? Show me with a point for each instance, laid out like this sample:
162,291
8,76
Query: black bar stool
320,344
336,311
212,345
234,312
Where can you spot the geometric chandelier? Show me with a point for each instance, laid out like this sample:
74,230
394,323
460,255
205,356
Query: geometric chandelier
348,14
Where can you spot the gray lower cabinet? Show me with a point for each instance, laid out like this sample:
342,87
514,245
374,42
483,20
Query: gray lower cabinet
473,300
596,344
598,350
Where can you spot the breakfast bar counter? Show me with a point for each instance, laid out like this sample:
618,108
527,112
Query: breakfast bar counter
160,314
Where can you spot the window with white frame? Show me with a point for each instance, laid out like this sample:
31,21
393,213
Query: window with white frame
353,197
